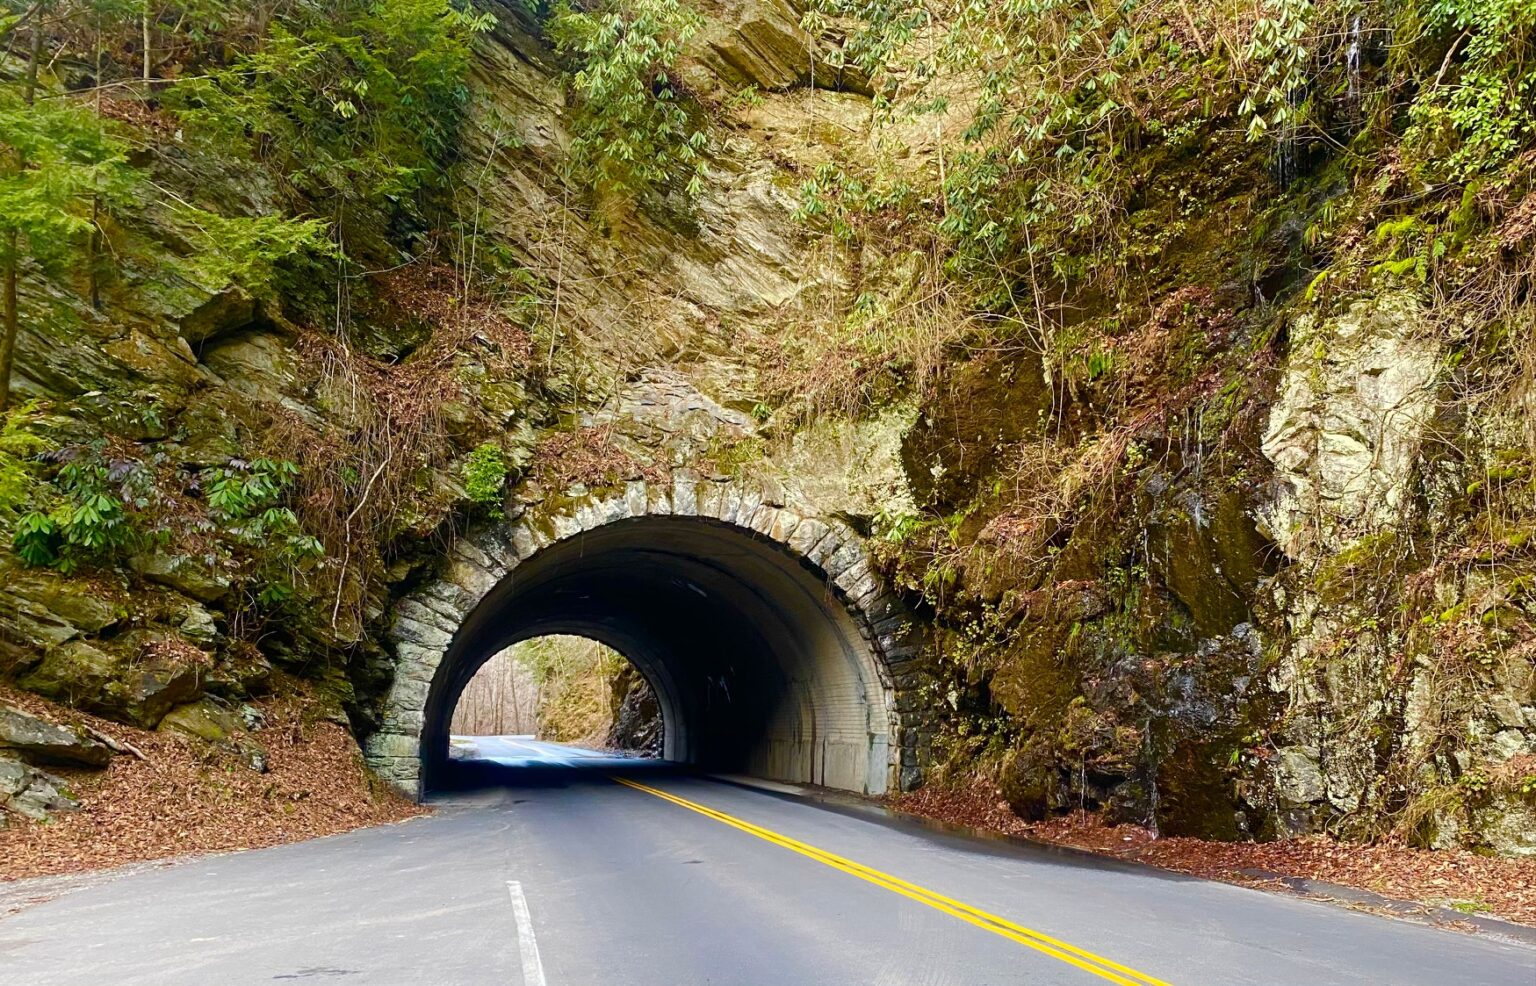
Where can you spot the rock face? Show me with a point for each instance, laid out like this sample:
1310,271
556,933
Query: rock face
637,725
947,452
1344,435
32,793
41,609
42,742
1212,656
183,574
206,719
215,722
116,684
1372,705
757,43
26,741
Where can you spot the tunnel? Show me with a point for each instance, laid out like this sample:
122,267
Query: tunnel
758,665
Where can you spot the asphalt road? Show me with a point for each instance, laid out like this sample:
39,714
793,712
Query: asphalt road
574,879
525,751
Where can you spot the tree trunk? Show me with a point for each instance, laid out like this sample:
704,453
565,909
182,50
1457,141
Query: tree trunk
93,253
29,91
8,329
8,264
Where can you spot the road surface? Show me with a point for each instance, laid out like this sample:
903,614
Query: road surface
525,751
662,879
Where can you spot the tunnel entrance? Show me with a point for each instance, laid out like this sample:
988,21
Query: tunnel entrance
755,660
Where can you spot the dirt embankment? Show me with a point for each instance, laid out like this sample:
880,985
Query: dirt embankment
1457,879
189,796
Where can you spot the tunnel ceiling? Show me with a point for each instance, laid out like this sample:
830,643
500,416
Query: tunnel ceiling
766,636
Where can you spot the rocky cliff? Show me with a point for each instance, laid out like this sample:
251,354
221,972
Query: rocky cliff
1203,460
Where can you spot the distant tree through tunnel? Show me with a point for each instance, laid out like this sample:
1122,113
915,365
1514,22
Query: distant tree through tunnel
562,689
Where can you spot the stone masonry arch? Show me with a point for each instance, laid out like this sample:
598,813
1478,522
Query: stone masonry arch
772,642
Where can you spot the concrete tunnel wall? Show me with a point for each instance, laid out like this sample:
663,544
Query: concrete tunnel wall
770,642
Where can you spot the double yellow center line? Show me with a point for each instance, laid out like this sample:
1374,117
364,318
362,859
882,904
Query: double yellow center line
1054,947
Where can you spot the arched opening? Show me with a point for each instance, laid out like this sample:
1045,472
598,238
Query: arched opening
556,700
756,662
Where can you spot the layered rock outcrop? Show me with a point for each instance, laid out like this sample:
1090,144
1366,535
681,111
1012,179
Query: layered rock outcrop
1183,543
27,744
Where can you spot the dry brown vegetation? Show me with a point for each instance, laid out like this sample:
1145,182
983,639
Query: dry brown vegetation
590,457
189,797
363,476
1455,878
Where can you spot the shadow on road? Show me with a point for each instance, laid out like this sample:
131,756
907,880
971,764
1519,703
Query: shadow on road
478,763
479,775
472,778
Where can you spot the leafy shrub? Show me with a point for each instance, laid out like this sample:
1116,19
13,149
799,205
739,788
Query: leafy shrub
485,474
1277,48
246,499
632,127
90,521
240,490
1483,115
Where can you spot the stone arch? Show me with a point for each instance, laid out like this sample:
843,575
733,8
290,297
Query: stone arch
774,581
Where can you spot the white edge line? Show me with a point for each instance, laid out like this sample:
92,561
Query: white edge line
527,945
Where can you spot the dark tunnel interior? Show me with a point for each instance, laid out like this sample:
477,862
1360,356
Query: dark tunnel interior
757,665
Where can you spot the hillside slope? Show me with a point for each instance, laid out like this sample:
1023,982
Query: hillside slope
1176,360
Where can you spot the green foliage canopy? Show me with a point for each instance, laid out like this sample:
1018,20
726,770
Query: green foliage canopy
58,161
633,129
352,102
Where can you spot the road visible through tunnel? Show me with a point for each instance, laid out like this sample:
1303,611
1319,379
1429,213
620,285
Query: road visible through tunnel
515,752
